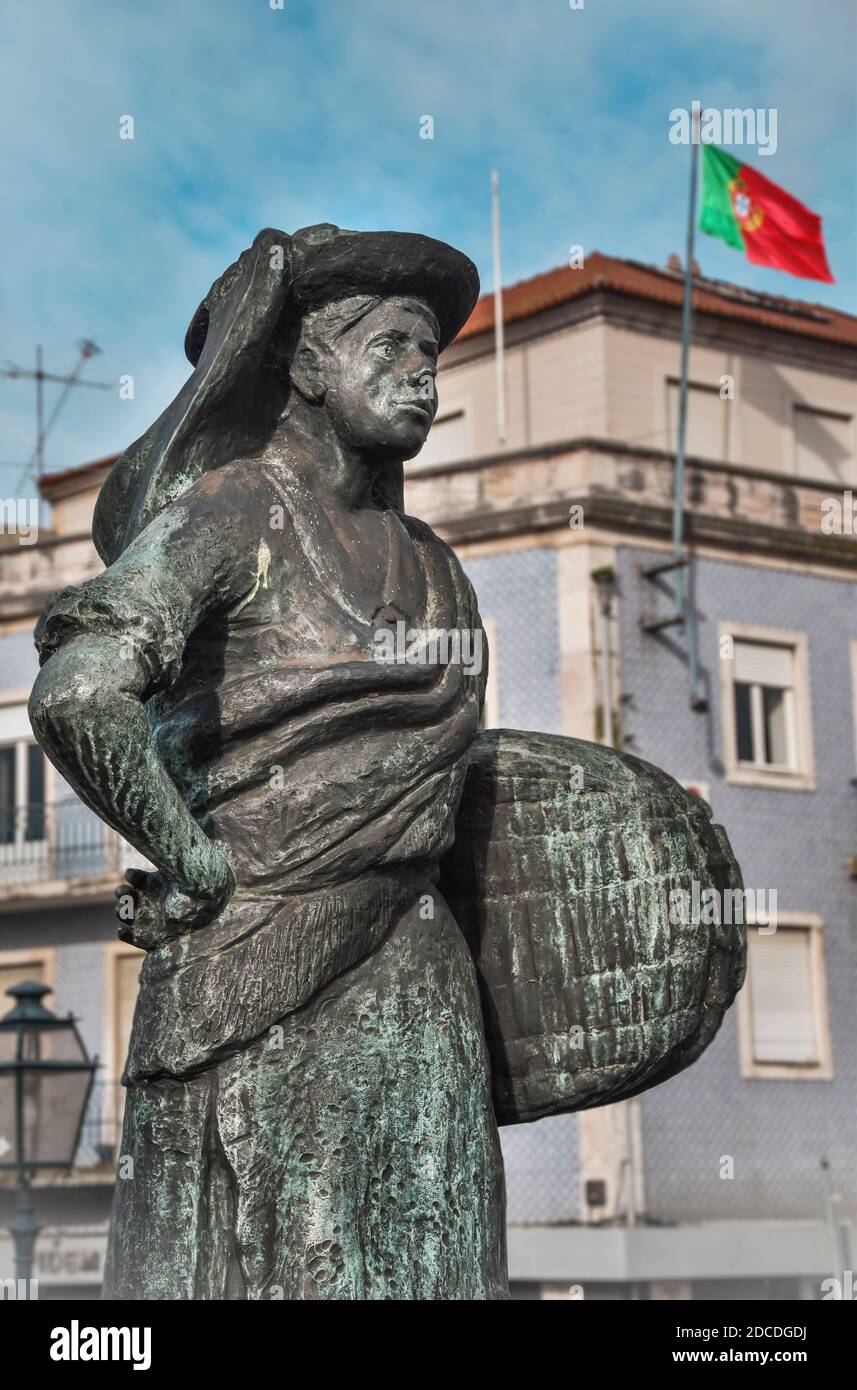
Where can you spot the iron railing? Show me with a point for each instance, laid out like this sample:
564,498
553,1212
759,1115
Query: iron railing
44,841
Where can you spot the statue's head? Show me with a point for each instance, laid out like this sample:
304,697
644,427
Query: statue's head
369,362
352,321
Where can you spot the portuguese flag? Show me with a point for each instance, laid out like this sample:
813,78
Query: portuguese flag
755,216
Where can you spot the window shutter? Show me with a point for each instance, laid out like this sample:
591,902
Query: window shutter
706,421
780,983
127,978
448,441
824,445
764,664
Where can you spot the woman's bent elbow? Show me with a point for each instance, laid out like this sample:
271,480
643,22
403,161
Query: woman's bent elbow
60,697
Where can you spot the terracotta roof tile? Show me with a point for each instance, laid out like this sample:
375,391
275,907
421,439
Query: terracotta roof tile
638,281
79,470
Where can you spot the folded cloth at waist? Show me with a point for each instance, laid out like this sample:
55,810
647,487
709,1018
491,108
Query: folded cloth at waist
209,993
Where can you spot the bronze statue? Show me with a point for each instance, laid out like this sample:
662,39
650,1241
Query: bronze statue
337,1005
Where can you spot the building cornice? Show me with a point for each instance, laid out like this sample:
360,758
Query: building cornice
602,444
627,489
663,321
645,520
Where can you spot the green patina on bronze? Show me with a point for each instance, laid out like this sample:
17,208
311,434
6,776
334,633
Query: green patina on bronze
374,933
566,878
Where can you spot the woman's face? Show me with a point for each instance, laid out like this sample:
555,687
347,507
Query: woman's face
379,379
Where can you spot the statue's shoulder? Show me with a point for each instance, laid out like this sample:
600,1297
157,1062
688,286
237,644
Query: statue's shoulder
236,489
224,511
421,533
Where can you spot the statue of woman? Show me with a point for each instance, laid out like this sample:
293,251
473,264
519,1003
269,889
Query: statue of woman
309,1111
311,1107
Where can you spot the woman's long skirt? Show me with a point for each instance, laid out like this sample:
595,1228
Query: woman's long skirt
351,1152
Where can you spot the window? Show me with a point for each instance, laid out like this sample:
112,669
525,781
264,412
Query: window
491,708
766,707
16,966
123,964
123,973
707,420
783,1009
824,445
22,792
127,977
448,440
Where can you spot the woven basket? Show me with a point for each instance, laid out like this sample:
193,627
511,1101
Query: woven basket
565,857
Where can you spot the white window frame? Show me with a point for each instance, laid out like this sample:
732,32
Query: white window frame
114,1108
854,695
801,777
847,417
491,708
462,406
671,442
33,856
114,951
22,744
822,1068
15,726
44,956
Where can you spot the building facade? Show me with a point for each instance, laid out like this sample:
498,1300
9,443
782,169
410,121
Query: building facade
736,1178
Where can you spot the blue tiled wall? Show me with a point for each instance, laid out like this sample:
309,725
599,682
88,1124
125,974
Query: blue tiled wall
796,842
518,590
19,663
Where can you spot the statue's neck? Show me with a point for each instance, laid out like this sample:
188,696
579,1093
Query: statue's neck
341,478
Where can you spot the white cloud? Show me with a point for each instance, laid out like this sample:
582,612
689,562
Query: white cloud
248,117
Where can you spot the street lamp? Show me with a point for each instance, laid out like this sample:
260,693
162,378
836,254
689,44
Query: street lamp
45,1081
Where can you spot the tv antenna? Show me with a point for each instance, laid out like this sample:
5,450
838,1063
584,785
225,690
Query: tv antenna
87,348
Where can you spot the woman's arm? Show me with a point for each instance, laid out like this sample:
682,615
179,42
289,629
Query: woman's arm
107,646
88,713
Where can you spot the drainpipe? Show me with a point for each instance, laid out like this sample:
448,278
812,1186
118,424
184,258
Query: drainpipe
604,580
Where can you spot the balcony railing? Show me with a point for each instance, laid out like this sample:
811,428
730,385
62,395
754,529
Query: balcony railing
56,840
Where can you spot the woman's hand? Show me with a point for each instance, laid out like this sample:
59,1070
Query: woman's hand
152,910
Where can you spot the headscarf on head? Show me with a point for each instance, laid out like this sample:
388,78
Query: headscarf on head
216,416
239,342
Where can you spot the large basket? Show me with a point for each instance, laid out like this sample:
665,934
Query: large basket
565,858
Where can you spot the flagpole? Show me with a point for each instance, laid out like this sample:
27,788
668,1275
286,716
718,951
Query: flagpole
499,334
678,501
678,509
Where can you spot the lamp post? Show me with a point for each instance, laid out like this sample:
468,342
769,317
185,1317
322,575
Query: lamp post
46,1078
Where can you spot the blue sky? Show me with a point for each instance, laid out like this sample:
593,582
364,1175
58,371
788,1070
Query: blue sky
246,116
